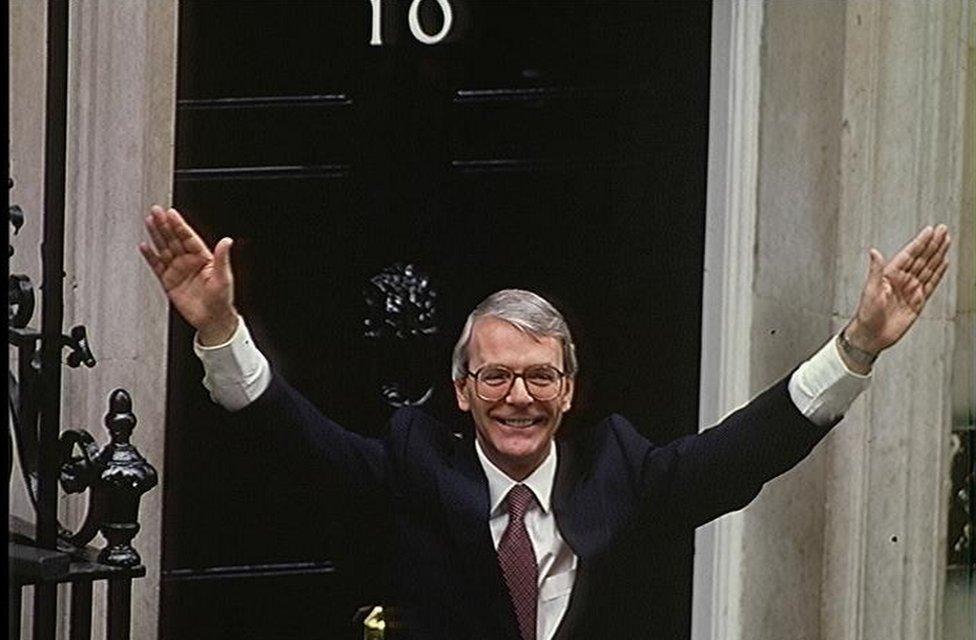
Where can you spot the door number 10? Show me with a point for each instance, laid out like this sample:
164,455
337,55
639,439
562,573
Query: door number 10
376,37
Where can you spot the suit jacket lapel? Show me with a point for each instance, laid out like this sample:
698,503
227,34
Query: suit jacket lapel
576,511
569,472
463,491
570,476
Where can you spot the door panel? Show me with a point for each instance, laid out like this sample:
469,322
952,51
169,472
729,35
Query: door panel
558,147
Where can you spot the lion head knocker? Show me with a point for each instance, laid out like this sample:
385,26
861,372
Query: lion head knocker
401,316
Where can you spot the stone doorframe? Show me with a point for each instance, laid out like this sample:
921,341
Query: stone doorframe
730,222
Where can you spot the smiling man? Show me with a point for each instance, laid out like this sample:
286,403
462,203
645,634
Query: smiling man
515,533
514,373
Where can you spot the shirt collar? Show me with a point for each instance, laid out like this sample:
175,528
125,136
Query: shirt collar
539,481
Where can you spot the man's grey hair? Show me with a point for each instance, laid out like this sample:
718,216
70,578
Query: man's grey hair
526,311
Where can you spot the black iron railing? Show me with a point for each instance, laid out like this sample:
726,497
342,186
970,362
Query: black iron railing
44,553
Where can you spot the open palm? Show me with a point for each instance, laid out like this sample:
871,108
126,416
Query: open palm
199,284
896,292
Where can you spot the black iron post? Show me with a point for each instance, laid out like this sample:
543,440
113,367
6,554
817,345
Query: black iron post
119,608
125,476
81,610
13,610
52,252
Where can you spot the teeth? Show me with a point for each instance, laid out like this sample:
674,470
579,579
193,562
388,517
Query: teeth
523,422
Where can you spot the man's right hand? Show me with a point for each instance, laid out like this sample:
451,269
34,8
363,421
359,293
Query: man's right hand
200,284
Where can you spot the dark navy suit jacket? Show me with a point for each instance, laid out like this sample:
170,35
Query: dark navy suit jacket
619,502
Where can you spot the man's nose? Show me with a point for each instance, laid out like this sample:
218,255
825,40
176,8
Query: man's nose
518,394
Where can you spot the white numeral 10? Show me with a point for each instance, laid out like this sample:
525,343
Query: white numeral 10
376,37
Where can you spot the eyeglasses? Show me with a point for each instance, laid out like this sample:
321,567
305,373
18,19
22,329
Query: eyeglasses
492,382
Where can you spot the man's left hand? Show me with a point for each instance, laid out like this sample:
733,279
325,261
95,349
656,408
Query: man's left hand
896,292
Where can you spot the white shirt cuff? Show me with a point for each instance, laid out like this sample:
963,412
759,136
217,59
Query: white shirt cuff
235,372
823,388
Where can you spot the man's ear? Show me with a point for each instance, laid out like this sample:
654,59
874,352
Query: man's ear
461,392
567,399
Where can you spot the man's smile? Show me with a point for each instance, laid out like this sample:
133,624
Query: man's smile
519,423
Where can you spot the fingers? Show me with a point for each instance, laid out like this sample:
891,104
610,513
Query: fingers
154,221
934,261
918,279
152,259
172,236
168,233
933,282
934,244
932,274
189,241
904,259
222,256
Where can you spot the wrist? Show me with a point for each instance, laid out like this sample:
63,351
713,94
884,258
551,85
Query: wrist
856,349
860,338
218,330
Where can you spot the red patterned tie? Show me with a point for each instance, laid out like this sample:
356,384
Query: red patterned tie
517,561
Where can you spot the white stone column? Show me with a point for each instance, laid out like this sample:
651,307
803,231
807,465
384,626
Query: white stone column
901,168
26,64
121,111
859,134
779,210
28,25
121,116
792,299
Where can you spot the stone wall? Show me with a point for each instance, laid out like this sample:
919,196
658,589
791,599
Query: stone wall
859,142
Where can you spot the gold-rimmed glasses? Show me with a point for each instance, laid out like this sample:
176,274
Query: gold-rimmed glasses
492,382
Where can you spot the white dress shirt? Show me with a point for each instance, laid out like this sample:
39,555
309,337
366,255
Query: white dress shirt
556,560
822,388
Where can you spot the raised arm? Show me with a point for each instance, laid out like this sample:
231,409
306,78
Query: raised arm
725,467
199,284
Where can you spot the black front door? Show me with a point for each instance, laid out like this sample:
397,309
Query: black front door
553,146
